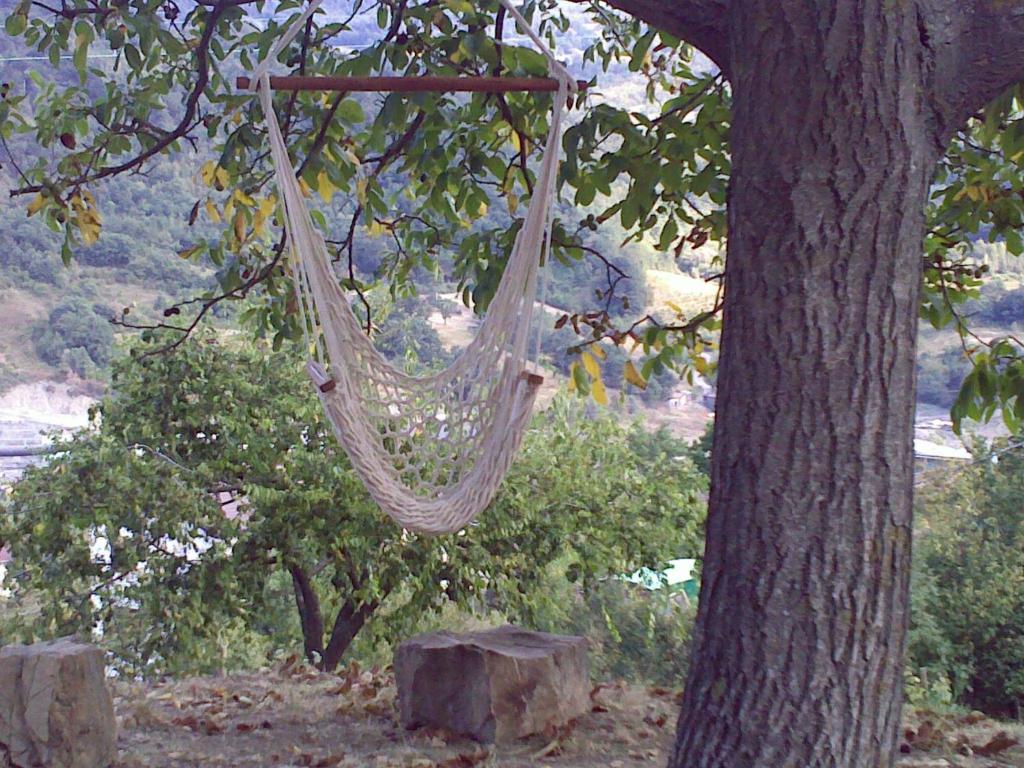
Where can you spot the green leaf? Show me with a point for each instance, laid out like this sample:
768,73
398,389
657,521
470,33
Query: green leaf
133,57
1014,242
16,23
83,37
669,233
351,111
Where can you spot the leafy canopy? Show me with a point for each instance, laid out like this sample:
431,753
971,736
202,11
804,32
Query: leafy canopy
435,174
210,493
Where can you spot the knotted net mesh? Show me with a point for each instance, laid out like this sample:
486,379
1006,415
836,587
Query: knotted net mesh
431,450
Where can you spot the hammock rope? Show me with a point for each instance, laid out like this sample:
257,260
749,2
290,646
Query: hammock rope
431,450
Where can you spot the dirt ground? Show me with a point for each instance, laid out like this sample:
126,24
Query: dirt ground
295,716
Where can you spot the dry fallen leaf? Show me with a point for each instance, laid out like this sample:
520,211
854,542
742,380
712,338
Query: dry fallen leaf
464,760
658,721
552,749
1001,742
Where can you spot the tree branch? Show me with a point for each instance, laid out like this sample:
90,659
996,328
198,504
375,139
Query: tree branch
979,55
350,619
185,124
702,23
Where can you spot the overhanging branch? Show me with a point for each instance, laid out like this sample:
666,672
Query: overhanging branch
986,58
702,23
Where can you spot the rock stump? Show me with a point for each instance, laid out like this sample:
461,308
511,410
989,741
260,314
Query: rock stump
494,686
55,708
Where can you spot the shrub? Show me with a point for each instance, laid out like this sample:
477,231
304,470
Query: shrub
939,375
968,621
634,633
80,327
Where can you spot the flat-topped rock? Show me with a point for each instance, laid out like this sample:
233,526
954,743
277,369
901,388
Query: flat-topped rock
497,685
55,708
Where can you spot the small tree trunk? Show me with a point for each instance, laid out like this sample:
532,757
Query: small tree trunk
799,645
310,618
349,621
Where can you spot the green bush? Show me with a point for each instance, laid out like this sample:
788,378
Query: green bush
76,334
968,601
635,634
939,375
8,376
408,335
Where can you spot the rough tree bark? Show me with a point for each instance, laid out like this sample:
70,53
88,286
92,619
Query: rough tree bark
841,110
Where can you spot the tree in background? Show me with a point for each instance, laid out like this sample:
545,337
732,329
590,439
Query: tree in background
210,479
838,114
76,334
406,333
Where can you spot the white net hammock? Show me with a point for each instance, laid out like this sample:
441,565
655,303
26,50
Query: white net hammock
433,450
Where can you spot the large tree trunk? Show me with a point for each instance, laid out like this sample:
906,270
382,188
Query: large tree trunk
803,608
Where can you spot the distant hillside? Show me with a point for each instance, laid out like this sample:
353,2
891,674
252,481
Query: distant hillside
54,317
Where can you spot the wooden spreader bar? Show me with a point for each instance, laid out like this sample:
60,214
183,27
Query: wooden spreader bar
427,83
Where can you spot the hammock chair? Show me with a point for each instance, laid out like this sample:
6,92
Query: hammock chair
431,450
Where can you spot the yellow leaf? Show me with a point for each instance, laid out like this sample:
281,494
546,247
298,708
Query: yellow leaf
267,205
633,375
513,203
599,352
229,208
212,212
591,365
36,204
361,190
243,198
325,187
239,225
517,145
482,209
264,209
90,232
208,172
352,157
306,191
221,177
375,229
599,393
